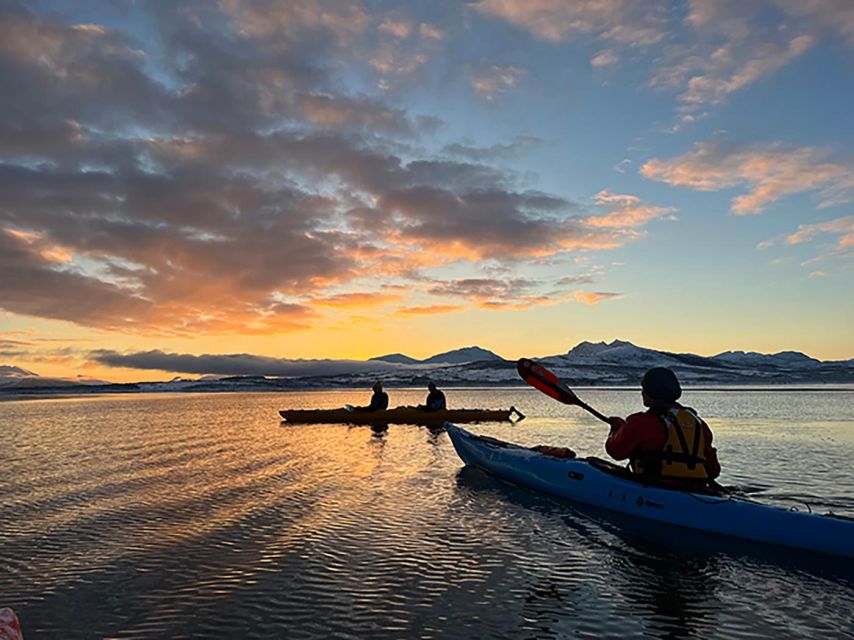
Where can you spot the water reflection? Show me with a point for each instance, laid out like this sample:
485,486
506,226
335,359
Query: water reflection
674,581
202,516
379,430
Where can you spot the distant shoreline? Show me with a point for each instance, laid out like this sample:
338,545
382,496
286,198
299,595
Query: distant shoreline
66,394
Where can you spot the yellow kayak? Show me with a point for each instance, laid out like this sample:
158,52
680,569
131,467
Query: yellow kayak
398,415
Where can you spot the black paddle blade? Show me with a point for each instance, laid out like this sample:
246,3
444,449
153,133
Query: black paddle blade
541,378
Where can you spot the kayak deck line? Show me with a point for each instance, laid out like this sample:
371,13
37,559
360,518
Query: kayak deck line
399,415
588,482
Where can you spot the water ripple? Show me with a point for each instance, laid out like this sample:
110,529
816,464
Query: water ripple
202,516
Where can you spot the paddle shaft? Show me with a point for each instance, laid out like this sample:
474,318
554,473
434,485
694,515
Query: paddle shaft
541,378
593,411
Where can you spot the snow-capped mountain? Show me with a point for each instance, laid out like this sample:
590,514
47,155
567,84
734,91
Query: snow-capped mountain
12,377
785,359
621,362
464,355
457,356
9,372
618,351
395,358
587,364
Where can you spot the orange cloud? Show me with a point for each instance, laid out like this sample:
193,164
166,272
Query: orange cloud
622,21
343,18
834,14
843,227
289,186
329,111
526,302
357,300
430,31
49,251
594,298
605,58
771,172
402,49
709,77
490,80
399,28
513,294
626,211
429,310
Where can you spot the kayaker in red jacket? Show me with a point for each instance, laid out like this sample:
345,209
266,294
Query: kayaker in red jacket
668,443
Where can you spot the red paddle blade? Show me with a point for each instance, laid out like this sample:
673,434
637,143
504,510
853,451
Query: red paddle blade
541,378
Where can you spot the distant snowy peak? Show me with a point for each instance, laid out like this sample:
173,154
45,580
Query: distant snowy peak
11,371
593,349
395,358
617,351
460,356
18,378
752,358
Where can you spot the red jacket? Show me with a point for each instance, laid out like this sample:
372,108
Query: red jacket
647,432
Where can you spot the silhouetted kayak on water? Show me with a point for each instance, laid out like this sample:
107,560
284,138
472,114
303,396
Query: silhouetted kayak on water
602,484
399,415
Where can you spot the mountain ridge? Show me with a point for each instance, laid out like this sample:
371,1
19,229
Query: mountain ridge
619,363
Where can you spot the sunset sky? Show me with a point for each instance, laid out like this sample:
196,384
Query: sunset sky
345,179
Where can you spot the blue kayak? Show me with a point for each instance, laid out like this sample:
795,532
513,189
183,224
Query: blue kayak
602,484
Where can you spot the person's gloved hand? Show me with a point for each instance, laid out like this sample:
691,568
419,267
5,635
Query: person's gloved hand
616,423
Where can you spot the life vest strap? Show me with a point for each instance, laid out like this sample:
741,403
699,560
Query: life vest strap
676,459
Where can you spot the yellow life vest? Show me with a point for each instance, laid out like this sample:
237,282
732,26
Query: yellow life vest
681,458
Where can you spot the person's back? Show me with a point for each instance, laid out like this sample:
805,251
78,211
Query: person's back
379,400
435,399
669,443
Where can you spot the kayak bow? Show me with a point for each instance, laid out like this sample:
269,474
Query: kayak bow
600,483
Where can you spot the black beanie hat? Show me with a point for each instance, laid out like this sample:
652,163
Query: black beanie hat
661,384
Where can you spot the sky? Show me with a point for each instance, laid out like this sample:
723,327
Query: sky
343,179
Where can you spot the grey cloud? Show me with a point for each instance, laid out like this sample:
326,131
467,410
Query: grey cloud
473,204
493,152
478,288
185,237
496,223
56,71
42,289
208,171
576,280
335,112
234,364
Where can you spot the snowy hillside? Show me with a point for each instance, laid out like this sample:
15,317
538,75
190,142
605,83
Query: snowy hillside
784,359
587,364
395,358
461,356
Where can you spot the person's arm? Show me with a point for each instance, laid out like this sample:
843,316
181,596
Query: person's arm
713,467
640,431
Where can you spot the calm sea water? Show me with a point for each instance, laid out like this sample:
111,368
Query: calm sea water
179,516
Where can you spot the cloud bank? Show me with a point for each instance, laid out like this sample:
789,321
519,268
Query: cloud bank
238,364
223,172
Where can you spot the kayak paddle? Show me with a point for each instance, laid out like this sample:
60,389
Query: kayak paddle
541,378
